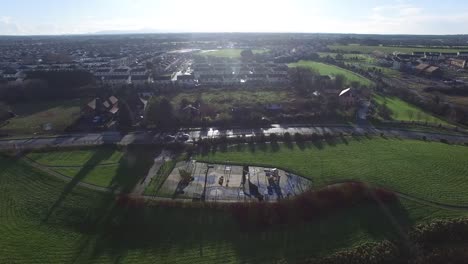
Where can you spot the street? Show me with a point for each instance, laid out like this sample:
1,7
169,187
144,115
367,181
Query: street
91,139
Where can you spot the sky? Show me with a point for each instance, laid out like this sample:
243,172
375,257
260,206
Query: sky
51,17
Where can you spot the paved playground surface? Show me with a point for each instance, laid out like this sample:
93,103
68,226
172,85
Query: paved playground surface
233,183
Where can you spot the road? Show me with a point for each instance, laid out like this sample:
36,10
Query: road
94,139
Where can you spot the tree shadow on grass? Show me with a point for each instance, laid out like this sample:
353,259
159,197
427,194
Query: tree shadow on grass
156,228
99,155
133,167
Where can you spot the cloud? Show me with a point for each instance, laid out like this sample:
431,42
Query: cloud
8,27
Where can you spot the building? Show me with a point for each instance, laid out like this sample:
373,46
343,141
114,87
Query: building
463,54
103,108
460,63
447,55
186,80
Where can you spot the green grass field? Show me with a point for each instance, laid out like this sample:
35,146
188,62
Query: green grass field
228,53
32,116
100,166
428,170
44,220
161,176
226,99
387,49
327,69
404,111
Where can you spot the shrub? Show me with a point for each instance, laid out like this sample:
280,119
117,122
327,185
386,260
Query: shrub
298,137
273,138
287,137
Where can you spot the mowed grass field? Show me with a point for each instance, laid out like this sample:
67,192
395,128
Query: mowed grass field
226,99
45,220
100,166
327,69
388,49
404,111
428,170
32,116
228,53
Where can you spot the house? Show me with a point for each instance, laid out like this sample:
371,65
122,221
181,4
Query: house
348,97
211,79
104,108
139,79
421,67
447,55
463,54
401,64
116,79
163,79
185,80
419,54
433,71
460,63
432,56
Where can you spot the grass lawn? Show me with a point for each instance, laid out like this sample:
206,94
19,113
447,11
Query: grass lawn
405,111
77,157
429,170
101,166
161,176
226,99
44,220
32,116
386,49
228,53
327,69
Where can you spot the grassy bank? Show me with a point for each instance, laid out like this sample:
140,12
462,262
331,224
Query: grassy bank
427,170
44,220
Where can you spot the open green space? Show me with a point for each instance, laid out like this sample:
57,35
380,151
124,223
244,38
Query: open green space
45,220
76,157
226,99
428,170
99,166
404,111
388,49
158,180
327,69
228,53
34,117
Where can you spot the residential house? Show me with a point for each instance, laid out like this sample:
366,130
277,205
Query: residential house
460,63
463,54
186,80
432,56
101,110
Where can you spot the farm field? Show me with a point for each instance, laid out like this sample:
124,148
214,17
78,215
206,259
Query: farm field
428,170
226,99
228,53
32,116
404,111
100,166
327,69
44,220
388,49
